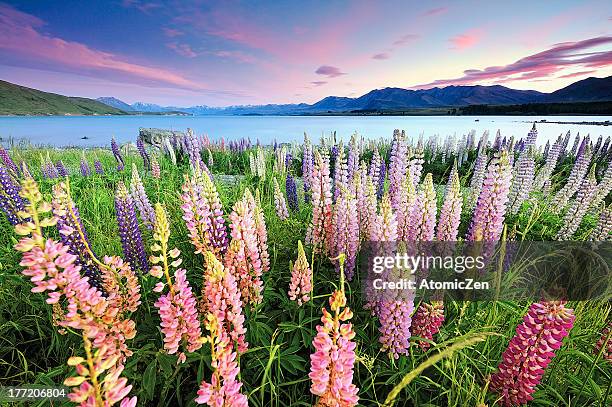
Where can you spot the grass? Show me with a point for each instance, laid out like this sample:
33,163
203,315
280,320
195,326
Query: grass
453,372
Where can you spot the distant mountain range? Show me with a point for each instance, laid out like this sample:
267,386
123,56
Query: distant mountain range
19,100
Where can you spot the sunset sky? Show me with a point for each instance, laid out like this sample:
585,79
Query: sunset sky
184,53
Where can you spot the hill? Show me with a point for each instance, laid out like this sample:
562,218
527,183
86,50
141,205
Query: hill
586,90
19,100
116,103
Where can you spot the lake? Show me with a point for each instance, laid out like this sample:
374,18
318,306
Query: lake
64,131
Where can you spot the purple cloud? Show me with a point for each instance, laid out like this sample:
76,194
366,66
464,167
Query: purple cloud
540,65
171,32
318,83
382,55
329,71
435,11
405,39
182,49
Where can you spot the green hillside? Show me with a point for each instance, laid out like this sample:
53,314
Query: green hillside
19,100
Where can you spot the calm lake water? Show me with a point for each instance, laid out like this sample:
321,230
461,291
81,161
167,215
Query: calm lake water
64,131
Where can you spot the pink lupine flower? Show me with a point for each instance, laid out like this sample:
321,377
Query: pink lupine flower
340,172
530,351
427,321
279,202
243,258
177,308
366,206
488,220
450,214
224,388
155,169
301,278
406,201
196,214
331,365
221,298
423,215
395,322
319,231
398,167
604,344
415,165
346,231
385,227
260,227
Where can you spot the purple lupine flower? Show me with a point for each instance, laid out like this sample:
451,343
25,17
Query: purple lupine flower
415,165
603,188
346,232
98,167
546,150
551,162
530,351
407,199
352,163
395,323
597,145
380,187
531,139
423,214
8,162
279,202
579,207
48,170
117,155
576,144
288,160
603,230
397,168
129,232
340,173
218,232
333,156
143,152
61,168
292,198
477,177
488,220
375,166
585,142
85,170
450,214
11,202
604,148
579,170
522,180
139,195
307,167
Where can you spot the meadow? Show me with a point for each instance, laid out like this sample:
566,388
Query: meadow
152,320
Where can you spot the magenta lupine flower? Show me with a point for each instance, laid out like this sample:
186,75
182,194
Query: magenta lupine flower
530,351
522,180
196,214
406,202
579,170
319,231
301,278
279,202
346,232
139,195
307,167
340,173
85,170
217,229
221,297
331,365
129,232
578,207
478,176
243,258
224,388
98,167
427,321
450,214
155,170
177,308
604,344
488,220
603,230
397,168
423,215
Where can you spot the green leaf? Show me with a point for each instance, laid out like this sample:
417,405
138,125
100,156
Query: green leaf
149,378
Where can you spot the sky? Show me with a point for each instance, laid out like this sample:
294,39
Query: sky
184,53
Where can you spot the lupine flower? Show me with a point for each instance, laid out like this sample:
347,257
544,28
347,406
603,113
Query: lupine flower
320,229
579,170
340,173
579,207
143,153
395,323
488,220
603,188
177,308
604,344
103,324
98,167
367,209
450,214
260,227
385,227
8,162
11,202
211,161
374,171
61,169
415,165
346,232
129,232
217,230
522,180
307,167
397,168
381,180
224,388
423,215
48,169
279,202
73,234
221,297
528,354
301,278
603,230
196,214
85,170
331,365
352,163
288,161
427,321
243,258
477,177
139,195
292,198
407,199
552,158
117,155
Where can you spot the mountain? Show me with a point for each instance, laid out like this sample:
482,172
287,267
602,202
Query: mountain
116,103
20,100
586,90
148,107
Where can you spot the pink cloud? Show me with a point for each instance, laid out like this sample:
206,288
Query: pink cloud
540,65
237,56
435,11
318,83
171,32
382,55
329,71
182,49
20,36
405,39
467,39
576,74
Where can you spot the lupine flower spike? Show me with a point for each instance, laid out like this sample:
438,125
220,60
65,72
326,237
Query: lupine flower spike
129,232
319,231
530,351
279,202
139,195
177,308
604,344
331,365
427,321
301,278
